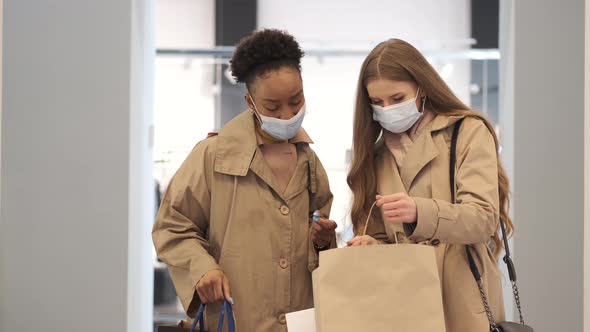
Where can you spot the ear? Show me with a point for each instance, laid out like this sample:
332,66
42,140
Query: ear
248,101
421,93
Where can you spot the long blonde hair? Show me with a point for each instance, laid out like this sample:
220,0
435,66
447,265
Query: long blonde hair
397,60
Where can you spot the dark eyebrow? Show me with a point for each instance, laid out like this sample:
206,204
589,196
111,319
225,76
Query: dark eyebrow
297,94
278,101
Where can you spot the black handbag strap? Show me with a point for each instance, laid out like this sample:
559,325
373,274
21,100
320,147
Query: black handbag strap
472,265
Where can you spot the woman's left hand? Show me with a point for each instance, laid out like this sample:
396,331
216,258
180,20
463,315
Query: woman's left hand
323,232
398,208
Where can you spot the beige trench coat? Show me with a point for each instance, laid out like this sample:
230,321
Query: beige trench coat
223,211
424,176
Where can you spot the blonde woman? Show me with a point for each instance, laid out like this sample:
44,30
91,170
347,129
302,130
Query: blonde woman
404,119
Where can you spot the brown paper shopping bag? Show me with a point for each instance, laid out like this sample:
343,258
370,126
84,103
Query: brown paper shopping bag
378,288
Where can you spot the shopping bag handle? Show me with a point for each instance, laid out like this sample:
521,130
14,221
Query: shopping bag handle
226,309
369,219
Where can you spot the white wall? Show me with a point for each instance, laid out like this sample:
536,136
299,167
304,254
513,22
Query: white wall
372,21
184,92
2,283
330,83
74,146
587,170
185,23
549,160
140,281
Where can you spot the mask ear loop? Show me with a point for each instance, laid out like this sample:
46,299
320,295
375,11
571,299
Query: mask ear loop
423,103
254,109
423,99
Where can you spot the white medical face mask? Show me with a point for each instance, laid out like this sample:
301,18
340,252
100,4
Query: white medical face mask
278,128
398,118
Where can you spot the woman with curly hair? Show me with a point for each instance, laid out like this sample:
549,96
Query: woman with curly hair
237,213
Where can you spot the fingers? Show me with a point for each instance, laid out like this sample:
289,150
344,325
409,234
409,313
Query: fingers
400,204
218,290
397,216
323,231
202,296
358,243
227,291
389,198
316,226
405,212
206,294
324,226
361,241
396,220
353,242
397,208
327,224
212,287
322,239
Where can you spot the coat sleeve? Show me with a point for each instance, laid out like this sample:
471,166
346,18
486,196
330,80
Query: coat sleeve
475,217
180,230
320,200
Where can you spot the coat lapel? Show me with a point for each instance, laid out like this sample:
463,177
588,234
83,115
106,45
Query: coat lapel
388,171
421,153
261,169
236,146
424,150
391,183
300,180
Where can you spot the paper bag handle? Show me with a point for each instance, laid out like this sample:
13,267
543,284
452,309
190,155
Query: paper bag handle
369,219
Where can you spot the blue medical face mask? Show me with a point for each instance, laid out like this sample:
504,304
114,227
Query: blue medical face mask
278,128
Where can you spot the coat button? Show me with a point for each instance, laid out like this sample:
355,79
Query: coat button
282,319
435,242
283,263
284,210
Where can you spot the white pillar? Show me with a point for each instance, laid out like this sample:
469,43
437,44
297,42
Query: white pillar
77,189
2,283
587,172
507,121
549,160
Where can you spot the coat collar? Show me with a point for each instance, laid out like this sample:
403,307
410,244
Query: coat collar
444,121
236,144
237,148
424,149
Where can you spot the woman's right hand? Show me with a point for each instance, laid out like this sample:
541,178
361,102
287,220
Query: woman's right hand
364,240
214,287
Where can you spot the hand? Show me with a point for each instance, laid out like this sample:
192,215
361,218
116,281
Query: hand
364,240
214,287
398,208
323,232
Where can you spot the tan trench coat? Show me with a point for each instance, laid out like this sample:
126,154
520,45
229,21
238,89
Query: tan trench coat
223,210
424,176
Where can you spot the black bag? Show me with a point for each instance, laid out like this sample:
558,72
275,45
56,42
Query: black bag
494,326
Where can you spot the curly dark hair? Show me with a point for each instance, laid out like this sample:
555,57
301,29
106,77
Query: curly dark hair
263,51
